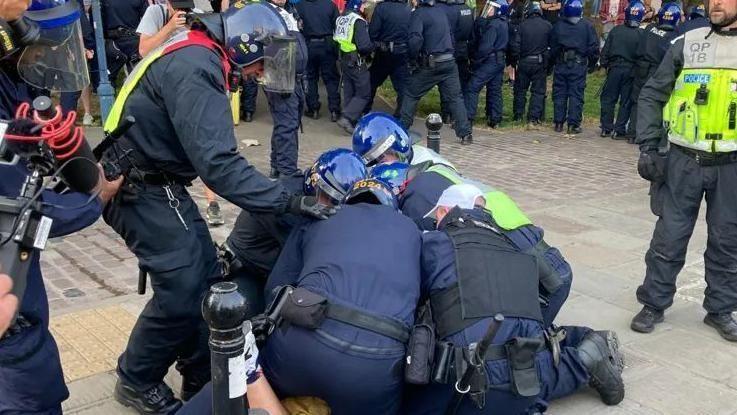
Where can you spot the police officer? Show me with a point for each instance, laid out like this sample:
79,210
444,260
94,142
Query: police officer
318,19
489,59
388,31
285,105
696,18
460,19
523,368
249,93
618,57
574,45
120,19
184,130
530,49
363,265
655,42
351,33
431,57
700,114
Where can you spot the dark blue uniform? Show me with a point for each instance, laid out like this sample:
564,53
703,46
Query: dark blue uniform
120,19
31,378
693,23
654,43
530,51
463,36
318,20
423,192
354,370
431,52
356,77
388,31
618,57
573,48
489,59
439,273
248,97
183,130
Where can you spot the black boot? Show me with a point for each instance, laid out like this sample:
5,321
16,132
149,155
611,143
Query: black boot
605,133
724,324
491,123
314,114
558,127
334,116
248,116
447,119
274,174
619,136
467,139
646,319
599,353
157,400
346,125
574,129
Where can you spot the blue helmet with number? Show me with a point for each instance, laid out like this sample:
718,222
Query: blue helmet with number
372,191
334,173
572,11
696,12
669,15
376,134
634,13
394,173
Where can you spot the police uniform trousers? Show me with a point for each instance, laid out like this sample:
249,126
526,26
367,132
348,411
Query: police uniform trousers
555,381
322,62
640,74
676,202
248,96
617,89
286,113
352,379
489,72
181,264
389,65
464,75
445,76
530,74
356,89
569,82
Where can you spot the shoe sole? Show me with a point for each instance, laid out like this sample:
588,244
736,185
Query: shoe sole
649,329
136,405
720,331
616,361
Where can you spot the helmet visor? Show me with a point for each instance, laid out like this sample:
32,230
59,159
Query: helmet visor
280,64
489,9
57,62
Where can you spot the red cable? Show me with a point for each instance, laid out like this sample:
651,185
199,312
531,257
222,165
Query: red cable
61,134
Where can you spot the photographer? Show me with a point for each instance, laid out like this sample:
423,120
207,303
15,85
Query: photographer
162,21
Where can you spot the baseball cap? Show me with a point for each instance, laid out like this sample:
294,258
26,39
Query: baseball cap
462,195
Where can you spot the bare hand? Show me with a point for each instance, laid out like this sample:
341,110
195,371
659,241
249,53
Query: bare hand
8,303
177,21
13,9
89,54
107,190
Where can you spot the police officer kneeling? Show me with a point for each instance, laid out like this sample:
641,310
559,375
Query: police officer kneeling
701,114
347,321
471,273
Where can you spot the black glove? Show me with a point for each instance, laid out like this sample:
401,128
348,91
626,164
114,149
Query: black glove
308,206
261,327
651,166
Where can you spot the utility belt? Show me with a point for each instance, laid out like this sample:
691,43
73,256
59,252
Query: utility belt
461,49
120,32
534,59
498,56
430,61
319,39
571,56
706,159
392,47
353,59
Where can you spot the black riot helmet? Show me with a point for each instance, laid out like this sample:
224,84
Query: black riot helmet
534,8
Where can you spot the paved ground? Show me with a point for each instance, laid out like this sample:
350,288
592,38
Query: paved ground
586,194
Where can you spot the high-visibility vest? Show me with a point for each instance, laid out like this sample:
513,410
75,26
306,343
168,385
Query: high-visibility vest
182,40
502,208
702,110
343,34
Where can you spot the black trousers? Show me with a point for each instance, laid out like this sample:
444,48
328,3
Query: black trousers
676,202
356,90
445,76
640,75
530,76
617,89
322,62
389,65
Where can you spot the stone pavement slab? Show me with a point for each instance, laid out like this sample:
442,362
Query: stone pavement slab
584,191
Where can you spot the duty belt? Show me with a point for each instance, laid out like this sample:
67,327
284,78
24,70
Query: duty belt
434,59
399,47
319,39
572,56
533,58
704,158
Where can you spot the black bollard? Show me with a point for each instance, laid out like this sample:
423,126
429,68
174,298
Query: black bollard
224,310
433,123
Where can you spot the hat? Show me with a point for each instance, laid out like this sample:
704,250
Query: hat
462,195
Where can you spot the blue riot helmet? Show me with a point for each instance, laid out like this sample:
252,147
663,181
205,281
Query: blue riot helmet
354,5
372,191
377,134
334,173
495,8
253,33
572,11
56,60
394,173
426,2
669,15
308,188
697,12
534,8
634,13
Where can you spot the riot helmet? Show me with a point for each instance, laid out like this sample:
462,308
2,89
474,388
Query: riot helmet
495,8
534,9
334,173
376,134
669,15
634,13
572,11
372,191
394,174
697,12
55,60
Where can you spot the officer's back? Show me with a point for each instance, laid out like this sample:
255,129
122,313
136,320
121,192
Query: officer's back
429,32
655,42
122,13
451,13
492,35
693,23
318,17
576,37
390,22
622,44
464,28
534,36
